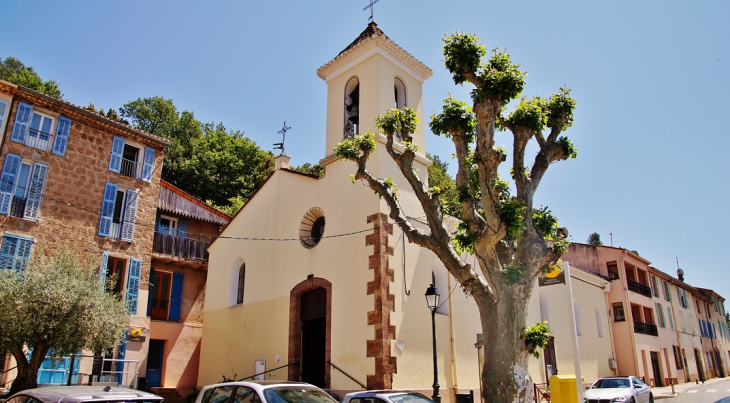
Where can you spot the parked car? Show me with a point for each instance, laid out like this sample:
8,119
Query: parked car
81,394
263,392
619,389
385,396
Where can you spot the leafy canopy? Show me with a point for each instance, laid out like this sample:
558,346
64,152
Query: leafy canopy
13,70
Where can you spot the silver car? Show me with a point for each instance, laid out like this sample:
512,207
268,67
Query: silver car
385,396
263,392
82,394
619,389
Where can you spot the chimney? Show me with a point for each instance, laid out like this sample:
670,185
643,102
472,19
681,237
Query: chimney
281,161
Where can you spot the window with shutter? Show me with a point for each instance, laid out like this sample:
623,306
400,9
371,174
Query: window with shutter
35,191
22,122
4,106
135,271
61,140
103,268
115,160
7,181
149,161
176,296
15,252
107,209
130,214
671,320
182,229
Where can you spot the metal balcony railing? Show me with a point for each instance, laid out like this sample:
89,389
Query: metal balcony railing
159,309
17,207
40,140
186,248
130,168
639,288
645,328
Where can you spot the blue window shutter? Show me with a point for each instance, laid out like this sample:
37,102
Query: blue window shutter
149,162
121,353
182,228
59,144
149,291
103,268
115,161
107,209
7,181
35,191
157,221
23,254
3,109
22,122
671,319
130,214
135,270
7,251
176,296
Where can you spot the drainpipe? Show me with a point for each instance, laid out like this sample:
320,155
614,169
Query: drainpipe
454,380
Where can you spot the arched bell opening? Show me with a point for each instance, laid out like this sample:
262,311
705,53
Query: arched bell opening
352,108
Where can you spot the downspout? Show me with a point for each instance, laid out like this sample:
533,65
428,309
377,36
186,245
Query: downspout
606,290
454,379
631,322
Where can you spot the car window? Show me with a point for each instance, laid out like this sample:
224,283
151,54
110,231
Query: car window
410,398
612,383
220,394
17,399
245,395
296,394
637,382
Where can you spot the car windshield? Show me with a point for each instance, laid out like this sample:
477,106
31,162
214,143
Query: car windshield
296,394
410,398
612,383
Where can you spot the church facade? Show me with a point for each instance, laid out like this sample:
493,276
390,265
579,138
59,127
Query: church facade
312,281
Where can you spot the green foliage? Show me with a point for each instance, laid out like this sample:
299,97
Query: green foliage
568,147
514,272
455,116
464,240
499,79
536,337
231,208
316,169
82,315
547,225
353,149
204,159
594,239
444,185
510,212
560,110
529,114
393,121
462,54
13,70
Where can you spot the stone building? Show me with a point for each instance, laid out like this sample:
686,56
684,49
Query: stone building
74,179
184,228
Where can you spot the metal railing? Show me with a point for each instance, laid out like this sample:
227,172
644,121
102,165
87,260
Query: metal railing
186,248
541,392
129,168
261,373
17,207
159,309
645,328
639,288
40,140
348,375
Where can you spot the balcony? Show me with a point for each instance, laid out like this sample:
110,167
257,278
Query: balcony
645,328
130,168
17,207
40,140
159,309
187,249
639,288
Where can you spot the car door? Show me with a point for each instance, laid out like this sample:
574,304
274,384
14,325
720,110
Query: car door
642,390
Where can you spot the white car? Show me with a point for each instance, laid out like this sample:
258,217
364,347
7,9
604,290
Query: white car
385,396
263,392
83,394
619,389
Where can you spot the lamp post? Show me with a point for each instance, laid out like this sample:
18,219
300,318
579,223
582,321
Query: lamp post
432,299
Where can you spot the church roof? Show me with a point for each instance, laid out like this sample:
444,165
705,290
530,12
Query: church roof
372,35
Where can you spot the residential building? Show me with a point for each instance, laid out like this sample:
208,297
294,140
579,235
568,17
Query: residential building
74,179
184,228
688,355
715,323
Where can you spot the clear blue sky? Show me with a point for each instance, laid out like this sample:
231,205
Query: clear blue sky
650,79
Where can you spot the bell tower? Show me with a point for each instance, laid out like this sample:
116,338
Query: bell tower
372,75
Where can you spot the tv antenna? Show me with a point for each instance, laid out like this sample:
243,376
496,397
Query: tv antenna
280,146
370,6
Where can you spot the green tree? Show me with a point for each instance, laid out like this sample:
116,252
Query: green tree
444,185
206,160
315,169
82,315
594,239
13,70
512,241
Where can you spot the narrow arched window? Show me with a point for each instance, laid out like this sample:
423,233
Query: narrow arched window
352,108
241,282
399,90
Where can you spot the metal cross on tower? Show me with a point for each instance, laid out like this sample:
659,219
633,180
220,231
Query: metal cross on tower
280,146
370,6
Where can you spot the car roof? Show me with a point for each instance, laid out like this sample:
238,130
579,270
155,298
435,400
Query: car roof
86,394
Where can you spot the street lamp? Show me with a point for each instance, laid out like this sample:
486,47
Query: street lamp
432,299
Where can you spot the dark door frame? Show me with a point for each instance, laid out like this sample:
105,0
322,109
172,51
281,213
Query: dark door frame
295,327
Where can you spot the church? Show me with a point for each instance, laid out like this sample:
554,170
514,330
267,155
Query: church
311,281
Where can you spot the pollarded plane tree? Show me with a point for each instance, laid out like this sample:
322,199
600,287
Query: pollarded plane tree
512,240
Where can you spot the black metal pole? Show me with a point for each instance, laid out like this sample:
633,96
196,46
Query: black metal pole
435,397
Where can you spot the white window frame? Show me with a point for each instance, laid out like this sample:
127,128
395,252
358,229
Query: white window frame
35,142
6,115
140,157
115,231
172,229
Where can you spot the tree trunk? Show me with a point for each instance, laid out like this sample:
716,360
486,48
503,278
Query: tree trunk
505,376
27,377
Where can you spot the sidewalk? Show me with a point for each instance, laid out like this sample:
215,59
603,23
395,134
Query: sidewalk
665,392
